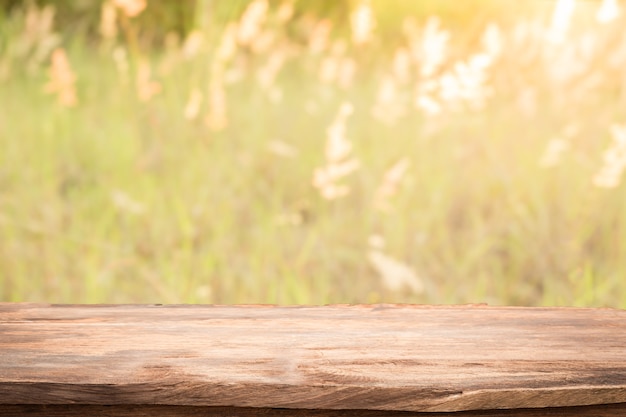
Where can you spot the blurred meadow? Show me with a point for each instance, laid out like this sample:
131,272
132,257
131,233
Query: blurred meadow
313,152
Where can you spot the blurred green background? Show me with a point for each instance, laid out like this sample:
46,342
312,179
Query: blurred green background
313,152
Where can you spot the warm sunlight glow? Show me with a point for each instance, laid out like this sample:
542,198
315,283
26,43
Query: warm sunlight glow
608,11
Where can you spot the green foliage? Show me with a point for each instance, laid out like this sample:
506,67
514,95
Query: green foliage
128,197
81,17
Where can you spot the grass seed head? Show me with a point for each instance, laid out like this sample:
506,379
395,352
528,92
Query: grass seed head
362,23
62,79
108,20
131,8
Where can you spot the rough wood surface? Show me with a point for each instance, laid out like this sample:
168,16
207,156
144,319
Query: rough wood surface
404,358
609,410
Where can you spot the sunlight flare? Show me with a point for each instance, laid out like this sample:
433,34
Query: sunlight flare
608,11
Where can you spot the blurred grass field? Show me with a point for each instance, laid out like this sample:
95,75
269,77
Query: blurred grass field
281,157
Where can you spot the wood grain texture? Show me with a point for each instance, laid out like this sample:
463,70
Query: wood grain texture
402,358
610,410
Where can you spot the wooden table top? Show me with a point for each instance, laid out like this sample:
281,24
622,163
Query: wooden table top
363,357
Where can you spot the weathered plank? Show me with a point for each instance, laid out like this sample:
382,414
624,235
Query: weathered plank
402,358
609,410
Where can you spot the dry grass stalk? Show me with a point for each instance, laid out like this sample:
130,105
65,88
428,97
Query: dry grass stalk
37,39
62,79
401,66
227,47
108,20
558,146
345,72
217,118
131,8
611,172
391,182
266,75
192,108
251,21
146,87
120,58
193,44
362,23
318,39
124,203
336,67
339,159
561,19
429,48
389,106
395,275
285,12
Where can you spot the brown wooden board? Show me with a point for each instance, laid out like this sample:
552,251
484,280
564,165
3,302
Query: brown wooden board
381,357
609,410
